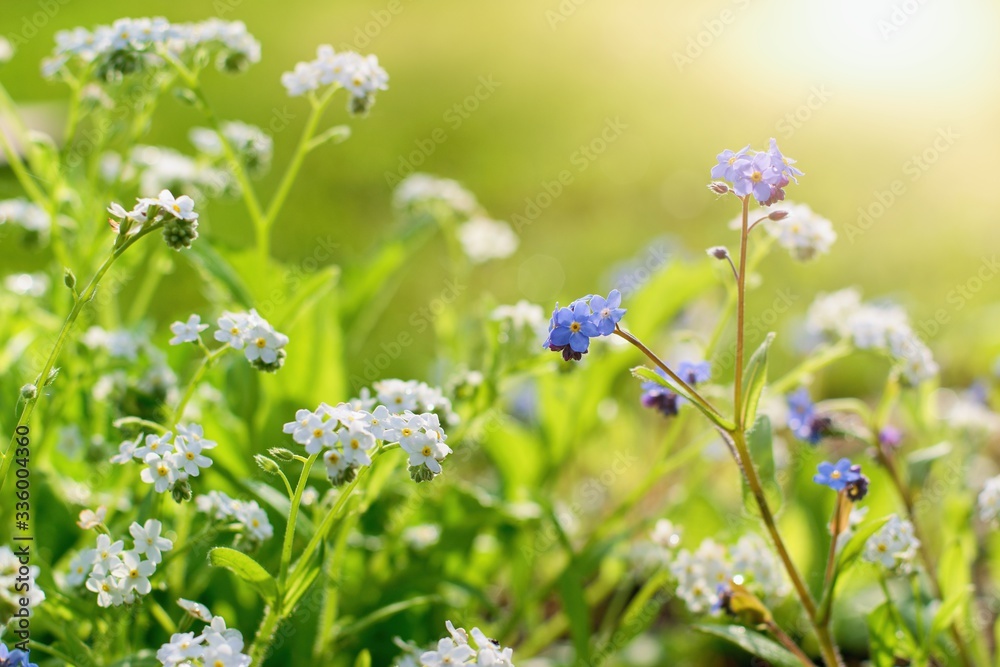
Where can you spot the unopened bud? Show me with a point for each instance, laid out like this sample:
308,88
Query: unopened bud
281,454
718,188
777,215
421,473
718,252
29,392
69,278
267,465
181,491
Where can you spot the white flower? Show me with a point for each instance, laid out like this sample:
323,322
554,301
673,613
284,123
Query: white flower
148,541
666,534
989,500
316,433
106,556
127,451
759,566
91,519
802,232
161,471
196,610
187,332
182,649
80,567
894,546
181,208
188,457
108,591
447,653
335,463
155,444
232,328
484,239
523,315
301,80
425,450
829,313
135,574
263,343
194,433
255,520
356,441
423,191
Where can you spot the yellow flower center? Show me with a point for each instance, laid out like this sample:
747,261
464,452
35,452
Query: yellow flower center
574,327
426,451
189,456
407,432
355,444
261,343
162,471
317,432
176,208
133,573
234,330
835,474
756,177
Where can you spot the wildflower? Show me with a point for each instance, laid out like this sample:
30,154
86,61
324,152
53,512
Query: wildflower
782,163
758,566
264,344
161,471
727,168
857,488
447,653
254,520
181,208
694,372
755,176
837,475
803,233
187,332
607,312
105,556
523,315
989,500
483,239
658,397
894,546
762,174
155,444
426,452
195,610
136,573
92,519
79,568
803,420
107,588
148,541
829,313
666,534
572,329
188,456
360,75
356,441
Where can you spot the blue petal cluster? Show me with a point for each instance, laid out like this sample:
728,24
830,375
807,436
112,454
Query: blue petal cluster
15,658
803,420
572,327
658,397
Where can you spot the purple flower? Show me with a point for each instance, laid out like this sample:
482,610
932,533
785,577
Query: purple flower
756,176
607,313
857,489
657,397
15,658
723,599
803,420
782,163
694,372
728,167
837,475
890,437
572,329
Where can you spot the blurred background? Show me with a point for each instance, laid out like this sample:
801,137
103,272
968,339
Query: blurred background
505,96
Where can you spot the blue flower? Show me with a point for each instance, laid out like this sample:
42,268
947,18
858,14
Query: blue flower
694,372
803,420
571,330
837,475
607,312
15,658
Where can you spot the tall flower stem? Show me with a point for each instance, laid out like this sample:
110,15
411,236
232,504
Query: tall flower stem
43,377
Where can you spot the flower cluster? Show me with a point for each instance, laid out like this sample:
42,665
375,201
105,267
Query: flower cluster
749,562
520,317
180,221
216,646
252,521
764,174
894,546
13,579
26,215
346,436
461,648
804,421
170,461
484,239
989,500
571,328
15,658
129,46
667,402
262,345
801,231
884,328
424,198
117,576
361,76
253,146
407,396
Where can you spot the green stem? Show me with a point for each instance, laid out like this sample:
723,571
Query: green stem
209,359
827,356
740,317
293,513
85,296
788,643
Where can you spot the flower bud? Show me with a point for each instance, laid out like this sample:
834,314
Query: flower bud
421,473
718,252
281,454
718,188
181,491
777,215
29,392
267,465
69,278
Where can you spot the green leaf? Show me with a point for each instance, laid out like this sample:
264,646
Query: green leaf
245,568
753,643
337,134
644,373
919,463
760,444
216,270
856,544
955,568
364,659
888,637
577,611
949,610
754,378
385,612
